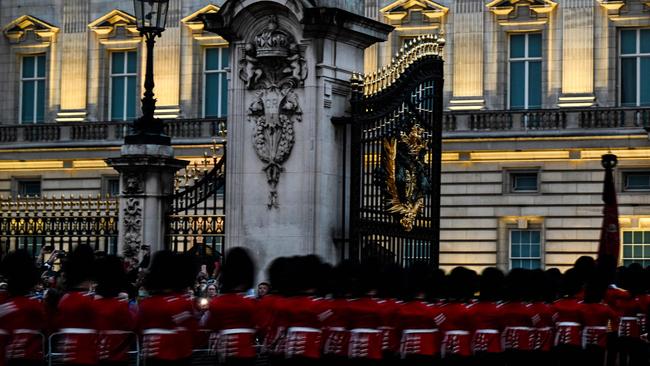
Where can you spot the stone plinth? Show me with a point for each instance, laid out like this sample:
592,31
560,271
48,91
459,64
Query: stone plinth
291,66
146,180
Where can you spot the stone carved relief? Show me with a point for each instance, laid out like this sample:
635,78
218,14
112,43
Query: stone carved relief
273,66
133,184
132,227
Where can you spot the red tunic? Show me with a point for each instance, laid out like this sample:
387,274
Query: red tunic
517,323
22,320
568,322
233,317
389,311
365,318
420,335
629,308
486,317
598,319
336,333
77,320
167,324
543,326
456,327
115,324
304,317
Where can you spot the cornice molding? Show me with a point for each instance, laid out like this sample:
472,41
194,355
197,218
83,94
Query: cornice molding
17,30
106,26
399,11
507,12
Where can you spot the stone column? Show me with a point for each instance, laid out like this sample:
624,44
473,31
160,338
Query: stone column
577,53
291,66
146,180
468,54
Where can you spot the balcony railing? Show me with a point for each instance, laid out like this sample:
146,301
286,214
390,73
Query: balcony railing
111,133
456,123
547,119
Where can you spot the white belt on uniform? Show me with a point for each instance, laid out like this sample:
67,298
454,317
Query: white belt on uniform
78,330
158,331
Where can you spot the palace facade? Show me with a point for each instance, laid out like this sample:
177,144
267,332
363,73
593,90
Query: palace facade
536,91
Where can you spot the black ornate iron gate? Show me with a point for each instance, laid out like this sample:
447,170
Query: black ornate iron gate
396,149
195,219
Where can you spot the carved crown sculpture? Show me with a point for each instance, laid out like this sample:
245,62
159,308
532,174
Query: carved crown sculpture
273,42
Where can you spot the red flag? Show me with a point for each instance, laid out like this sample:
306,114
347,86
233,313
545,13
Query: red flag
610,238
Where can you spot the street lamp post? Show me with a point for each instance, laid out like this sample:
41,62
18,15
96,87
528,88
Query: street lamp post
151,16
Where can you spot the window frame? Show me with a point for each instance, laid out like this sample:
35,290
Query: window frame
626,173
622,253
637,55
205,72
18,181
105,189
527,60
124,75
541,247
509,180
36,79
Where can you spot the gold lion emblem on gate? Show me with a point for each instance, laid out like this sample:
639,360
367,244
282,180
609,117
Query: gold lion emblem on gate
405,173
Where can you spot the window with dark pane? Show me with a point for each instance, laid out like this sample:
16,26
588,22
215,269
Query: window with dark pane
32,89
525,249
29,188
523,182
636,247
525,65
215,82
636,181
634,53
123,85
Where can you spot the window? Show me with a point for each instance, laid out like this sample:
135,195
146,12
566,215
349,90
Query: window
635,67
636,247
525,249
525,89
523,182
111,186
215,83
28,187
32,89
123,86
636,181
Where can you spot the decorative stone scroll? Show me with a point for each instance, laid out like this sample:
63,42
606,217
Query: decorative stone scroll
273,66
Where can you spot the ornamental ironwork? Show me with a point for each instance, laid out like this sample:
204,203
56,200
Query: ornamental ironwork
62,222
396,156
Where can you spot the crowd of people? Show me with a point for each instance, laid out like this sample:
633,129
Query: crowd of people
311,312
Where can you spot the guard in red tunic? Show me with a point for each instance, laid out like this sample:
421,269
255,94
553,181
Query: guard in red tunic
165,319
336,327
456,326
420,342
22,318
598,318
232,316
271,318
115,321
365,319
76,316
630,346
517,320
305,314
568,321
390,290
486,317
540,291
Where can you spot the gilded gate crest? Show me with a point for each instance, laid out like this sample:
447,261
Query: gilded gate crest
406,180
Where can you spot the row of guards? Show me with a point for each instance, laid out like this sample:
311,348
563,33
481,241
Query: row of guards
114,347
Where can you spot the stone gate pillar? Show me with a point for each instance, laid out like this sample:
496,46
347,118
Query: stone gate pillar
146,180
291,63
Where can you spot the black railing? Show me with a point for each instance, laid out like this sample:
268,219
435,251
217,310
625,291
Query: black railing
31,223
111,132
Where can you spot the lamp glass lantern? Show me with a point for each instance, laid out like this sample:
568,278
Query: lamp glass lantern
151,15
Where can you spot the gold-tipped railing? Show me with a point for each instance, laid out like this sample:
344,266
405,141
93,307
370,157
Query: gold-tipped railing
413,50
